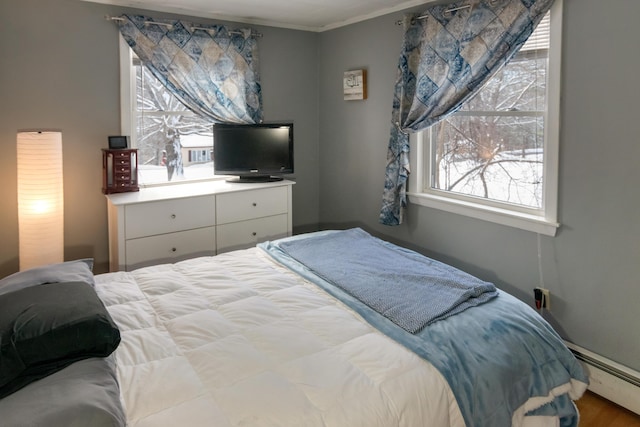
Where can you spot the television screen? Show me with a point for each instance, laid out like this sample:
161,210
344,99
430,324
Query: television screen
255,152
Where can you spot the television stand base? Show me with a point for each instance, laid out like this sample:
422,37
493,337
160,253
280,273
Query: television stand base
254,179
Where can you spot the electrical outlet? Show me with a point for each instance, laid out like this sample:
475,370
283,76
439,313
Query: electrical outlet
546,298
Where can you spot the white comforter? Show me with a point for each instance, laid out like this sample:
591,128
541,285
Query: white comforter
237,340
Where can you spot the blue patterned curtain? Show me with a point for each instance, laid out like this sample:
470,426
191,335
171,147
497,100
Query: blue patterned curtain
213,71
448,53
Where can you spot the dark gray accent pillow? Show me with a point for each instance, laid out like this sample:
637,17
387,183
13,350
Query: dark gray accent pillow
71,271
46,328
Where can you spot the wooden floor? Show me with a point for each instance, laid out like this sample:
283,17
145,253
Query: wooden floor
598,412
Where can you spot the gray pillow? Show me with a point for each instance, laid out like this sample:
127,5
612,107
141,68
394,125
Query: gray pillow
71,271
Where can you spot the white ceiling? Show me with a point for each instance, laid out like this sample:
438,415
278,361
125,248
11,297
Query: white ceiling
310,15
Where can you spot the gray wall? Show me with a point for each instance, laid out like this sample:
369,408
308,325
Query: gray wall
60,70
592,266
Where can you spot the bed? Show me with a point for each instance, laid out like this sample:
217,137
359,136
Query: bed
307,331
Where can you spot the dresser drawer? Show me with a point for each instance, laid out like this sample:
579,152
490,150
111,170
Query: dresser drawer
251,204
151,218
238,235
121,160
120,169
124,154
170,247
122,177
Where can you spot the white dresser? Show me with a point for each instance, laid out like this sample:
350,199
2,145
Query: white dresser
171,223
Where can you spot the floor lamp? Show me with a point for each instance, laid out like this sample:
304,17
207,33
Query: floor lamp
40,199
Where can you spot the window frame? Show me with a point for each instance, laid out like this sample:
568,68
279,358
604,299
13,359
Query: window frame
127,91
544,220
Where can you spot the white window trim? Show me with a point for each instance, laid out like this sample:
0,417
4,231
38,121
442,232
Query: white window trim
543,221
127,90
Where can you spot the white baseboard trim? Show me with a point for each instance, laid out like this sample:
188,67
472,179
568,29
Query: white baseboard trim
609,379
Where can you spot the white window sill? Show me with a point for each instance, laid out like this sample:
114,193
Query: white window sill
521,220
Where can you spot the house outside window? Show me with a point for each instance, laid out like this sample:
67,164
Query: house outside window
496,158
174,144
196,149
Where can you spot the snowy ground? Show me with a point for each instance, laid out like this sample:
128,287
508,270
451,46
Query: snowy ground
507,180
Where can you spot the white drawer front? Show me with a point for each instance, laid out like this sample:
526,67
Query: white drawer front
148,219
251,204
170,247
245,234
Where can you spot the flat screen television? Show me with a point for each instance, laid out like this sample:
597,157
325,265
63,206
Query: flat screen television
254,152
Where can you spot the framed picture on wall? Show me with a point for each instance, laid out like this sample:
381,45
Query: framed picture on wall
355,85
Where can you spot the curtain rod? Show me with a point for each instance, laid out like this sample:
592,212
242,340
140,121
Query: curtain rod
170,26
453,9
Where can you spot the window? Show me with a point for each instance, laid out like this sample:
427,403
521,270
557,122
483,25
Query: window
174,144
496,158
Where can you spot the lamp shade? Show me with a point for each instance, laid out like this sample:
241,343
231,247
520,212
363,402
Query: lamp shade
40,198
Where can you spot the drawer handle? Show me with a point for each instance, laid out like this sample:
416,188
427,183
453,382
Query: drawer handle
173,249
173,216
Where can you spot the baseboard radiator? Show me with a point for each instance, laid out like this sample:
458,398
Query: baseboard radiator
609,379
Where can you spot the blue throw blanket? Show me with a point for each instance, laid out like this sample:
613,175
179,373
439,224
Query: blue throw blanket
502,360
407,288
